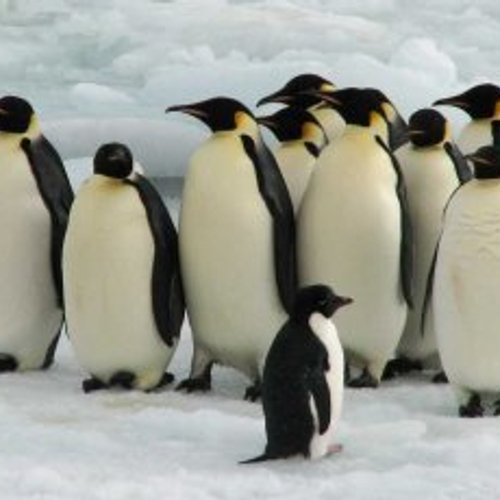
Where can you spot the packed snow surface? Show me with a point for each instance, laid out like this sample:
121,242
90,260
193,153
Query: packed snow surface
101,70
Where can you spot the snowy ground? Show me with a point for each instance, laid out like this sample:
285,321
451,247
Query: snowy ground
100,70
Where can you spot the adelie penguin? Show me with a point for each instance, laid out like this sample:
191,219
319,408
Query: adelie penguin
122,286
466,291
302,138
35,198
297,93
354,232
433,168
237,244
482,104
302,387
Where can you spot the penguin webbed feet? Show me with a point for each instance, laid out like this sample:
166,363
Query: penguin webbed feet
201,383
400,366
253,392
166,379
365,381
440,378
122,379
473,408
8,363
92,384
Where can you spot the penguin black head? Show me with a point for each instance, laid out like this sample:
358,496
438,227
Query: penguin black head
398,129
427,127
486,161
356,106
478,102
113,160
317,298
15,114
219,113
289,124
293,92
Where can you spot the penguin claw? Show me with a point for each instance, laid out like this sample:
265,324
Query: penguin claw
8,363
194,385
400,366
473,408
253,392
365,380
440,378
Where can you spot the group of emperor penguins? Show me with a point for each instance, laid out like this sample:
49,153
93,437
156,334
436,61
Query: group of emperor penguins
394,216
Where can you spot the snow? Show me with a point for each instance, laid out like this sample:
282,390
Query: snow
104,70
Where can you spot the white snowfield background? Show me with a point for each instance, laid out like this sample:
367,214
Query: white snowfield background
102,70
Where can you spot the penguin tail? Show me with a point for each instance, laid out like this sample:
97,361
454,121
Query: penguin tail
256,460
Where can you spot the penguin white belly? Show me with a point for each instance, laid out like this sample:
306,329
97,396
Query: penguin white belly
29,315
349,234
327,333
466,293
108,261
475,134
430,179
296,164
227,258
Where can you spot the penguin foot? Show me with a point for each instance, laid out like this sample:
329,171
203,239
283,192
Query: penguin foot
122,379
92,384
8,363
253,392
365,380
166,379
400,366
199,384
496,413
440,378
334,449
473,408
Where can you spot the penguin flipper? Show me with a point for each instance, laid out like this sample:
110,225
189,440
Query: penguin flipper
166,285
317,385
463,171
495,132
428,289
57,194
407,244
277,198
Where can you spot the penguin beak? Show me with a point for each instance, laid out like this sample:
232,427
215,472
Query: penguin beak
415,133
474,158
3,112
266,121
342,301
328,97
188,109
452,101
278,97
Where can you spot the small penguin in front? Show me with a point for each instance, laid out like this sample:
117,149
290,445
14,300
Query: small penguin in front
353,231
237,244
482,104
302,139
297,92
433,168
302,388
466,291
122,285
35,199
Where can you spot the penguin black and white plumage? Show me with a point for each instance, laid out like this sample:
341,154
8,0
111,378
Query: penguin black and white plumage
433,168
398,129
237,244
297,92
466,291
301,140
302,387
35,198
122,286
482,104
353,231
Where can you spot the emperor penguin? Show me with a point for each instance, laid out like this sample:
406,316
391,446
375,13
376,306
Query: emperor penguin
35,198
482,104
122,286
433,168
302,388
237,244
302,138
296,92
466,295
354,232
